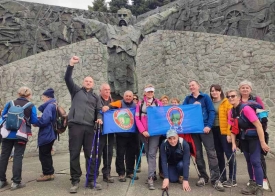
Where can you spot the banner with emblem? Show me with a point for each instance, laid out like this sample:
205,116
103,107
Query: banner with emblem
119,121
183,118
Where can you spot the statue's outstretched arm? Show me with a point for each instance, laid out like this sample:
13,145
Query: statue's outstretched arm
92,27
151,23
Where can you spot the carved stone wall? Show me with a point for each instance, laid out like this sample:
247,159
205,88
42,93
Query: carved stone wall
167,59
30,28
42,71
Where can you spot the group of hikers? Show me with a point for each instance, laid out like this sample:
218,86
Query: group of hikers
229,123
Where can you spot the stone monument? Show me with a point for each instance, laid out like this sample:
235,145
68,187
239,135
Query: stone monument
122,41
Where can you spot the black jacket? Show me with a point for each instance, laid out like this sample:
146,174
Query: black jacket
85,105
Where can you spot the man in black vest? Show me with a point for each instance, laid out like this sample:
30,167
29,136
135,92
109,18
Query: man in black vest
127,143
81,120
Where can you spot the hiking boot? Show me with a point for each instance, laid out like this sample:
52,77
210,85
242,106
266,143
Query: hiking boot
259,191
161,175
108,179
15,186
3,184
44,178
151,184
180,180
131,176
265,184
97,186
74,188
250,189
201,182
229,183
121,178
218,186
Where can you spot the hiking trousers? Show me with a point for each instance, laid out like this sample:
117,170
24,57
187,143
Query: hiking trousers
46,158
80,136
19,149
208,141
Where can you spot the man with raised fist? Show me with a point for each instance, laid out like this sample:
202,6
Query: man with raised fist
83,115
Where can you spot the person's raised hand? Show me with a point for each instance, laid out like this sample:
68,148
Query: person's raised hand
74,60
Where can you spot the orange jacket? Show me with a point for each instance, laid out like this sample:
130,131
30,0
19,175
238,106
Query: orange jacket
223,115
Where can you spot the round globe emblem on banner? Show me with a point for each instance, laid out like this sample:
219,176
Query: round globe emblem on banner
124,119
175,118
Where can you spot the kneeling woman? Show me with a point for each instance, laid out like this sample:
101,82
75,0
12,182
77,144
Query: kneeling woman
175,160
245,123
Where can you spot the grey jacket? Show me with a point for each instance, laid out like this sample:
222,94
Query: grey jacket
86,106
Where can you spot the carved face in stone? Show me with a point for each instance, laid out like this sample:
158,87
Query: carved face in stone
124,16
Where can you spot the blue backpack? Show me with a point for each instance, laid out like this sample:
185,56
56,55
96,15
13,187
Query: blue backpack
15,116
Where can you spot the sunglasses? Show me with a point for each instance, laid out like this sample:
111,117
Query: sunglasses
231,96
135,98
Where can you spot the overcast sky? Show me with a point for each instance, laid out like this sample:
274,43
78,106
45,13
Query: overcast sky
80,4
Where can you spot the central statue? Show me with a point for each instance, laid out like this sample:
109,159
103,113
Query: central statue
122,41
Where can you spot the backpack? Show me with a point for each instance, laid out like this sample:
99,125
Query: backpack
61,122
141,105
244,126
15,116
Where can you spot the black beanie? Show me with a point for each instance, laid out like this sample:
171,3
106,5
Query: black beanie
49,93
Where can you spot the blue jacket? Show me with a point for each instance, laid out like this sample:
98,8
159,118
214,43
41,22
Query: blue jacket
208,110
46,132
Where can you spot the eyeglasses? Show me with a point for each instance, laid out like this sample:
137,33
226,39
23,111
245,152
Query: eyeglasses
231,96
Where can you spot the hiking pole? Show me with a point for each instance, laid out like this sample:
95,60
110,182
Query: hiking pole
99,127
233,170
91,157
227,163
266,177
107,160
139,158
195,165
165,190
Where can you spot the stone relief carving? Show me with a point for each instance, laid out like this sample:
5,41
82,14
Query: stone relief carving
30,28
245,18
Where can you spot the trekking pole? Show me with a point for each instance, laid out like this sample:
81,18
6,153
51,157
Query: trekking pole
266,177
99,129
107,160
165,190
227,163
233,170
139,158
91,157
195,165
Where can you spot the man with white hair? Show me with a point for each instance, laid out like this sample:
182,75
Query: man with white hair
127,143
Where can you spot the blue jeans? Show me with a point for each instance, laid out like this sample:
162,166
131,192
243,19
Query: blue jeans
175,171
223,147
252,153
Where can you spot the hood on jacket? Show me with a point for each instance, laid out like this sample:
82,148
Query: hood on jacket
44,105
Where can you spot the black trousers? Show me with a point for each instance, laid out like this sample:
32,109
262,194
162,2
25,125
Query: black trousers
46,159
126,147
106,145
19,149
80,136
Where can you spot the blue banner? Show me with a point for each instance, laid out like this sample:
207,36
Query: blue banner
119,121
182,118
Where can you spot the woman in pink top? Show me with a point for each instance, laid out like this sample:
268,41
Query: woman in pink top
150,142
245,88
245,124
